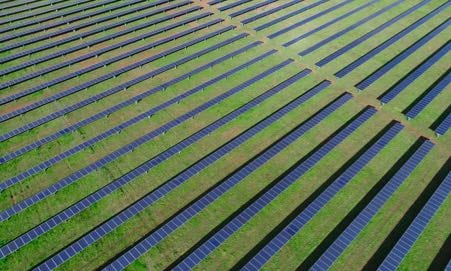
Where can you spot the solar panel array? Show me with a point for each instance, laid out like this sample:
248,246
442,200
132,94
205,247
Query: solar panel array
72,149
363,218
184,176
108,189
268,251
256,206
155,237
119,152
413,232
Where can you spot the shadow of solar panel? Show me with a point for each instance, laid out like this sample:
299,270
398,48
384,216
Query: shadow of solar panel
413,232
271,248
359,223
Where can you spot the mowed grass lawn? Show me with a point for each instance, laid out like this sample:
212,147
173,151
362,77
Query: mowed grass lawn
274,216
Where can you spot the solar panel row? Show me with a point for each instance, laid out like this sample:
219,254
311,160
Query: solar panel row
95,41
413,232
363,218
365,83
177,221
276,243
308,19
125,149
134,99
42,12
342,32
96,53
289,15
250,8
214,2
256,206
329,23
66,21
404,82
163,190
358,62
370,34
429,96
89,23
113,74
16,3
270,11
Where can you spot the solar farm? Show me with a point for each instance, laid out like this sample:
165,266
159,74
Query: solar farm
225,135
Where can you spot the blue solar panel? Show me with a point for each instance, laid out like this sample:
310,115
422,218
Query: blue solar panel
363,218
289,15
129,147
448,266
349,68
134,99
443,127
16,3
250,8
414,74
430,95
268,12
314,207
241,219
308,19
329,23
107,76
93,42
149,199
348,29
413,232
214,2
155,237
28,7
370,34
83,25
365,83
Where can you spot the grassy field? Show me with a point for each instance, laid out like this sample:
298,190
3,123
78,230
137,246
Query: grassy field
371,245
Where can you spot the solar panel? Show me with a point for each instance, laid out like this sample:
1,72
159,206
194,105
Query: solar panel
289,15
365,83
83,25
348,29
177,221
32,7
368,35
271,248
150,198
134,99
363,218
443,127
329,23
125,149
268,12
308,19
429,96
415,229
349,68
232,5
112,74
201,252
